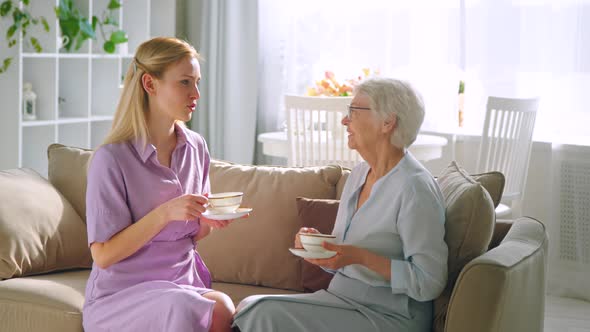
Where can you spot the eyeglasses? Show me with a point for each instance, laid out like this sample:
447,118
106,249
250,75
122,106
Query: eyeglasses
350,108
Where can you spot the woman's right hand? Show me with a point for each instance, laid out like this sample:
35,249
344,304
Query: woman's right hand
303,230
185,207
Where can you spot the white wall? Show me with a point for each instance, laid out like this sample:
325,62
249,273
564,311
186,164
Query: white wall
8,102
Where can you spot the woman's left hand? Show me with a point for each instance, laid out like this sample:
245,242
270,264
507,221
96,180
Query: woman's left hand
345,255
215,223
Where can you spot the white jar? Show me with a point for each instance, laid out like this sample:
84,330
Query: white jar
29,102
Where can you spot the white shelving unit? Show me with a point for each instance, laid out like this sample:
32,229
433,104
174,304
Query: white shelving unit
77,92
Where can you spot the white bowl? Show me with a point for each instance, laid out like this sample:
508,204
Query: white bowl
227,202
313,242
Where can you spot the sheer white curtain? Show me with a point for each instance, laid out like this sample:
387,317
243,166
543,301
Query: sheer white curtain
516,48
526,48
300,40
542,48
227,38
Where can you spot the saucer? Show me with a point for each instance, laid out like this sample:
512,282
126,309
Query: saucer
312,254
240,212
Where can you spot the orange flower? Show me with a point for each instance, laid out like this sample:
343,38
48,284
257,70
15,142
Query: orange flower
330,86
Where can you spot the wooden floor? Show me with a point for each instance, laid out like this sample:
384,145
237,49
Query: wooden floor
566,315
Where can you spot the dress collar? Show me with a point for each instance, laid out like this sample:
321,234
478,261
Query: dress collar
146,150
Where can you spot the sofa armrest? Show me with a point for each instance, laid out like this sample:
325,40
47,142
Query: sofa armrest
503,289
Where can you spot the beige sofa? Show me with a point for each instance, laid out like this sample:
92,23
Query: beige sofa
44,258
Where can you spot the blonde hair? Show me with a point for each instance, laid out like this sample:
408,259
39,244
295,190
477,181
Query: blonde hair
153,57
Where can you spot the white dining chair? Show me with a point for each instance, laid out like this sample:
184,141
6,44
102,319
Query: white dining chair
506,147
315,134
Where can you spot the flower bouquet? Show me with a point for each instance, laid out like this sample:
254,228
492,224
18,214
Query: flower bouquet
330,86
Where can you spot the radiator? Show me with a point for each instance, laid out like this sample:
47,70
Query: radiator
569,231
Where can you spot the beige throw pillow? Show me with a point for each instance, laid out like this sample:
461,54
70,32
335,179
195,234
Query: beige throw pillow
39,230
468,228
67,173
255,250
493,182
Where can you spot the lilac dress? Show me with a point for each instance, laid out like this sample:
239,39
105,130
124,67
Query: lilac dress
159,287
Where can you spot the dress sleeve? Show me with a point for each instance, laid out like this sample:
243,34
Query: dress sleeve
206,160
107,212
422,274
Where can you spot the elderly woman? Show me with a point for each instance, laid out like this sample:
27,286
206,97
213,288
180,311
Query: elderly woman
391,259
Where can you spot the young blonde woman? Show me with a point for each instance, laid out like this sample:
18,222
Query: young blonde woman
147,186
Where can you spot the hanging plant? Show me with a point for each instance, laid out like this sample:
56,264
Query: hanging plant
22,20
77,28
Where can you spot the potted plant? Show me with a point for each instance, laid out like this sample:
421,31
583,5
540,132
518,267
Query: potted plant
76,28
461,102
22,19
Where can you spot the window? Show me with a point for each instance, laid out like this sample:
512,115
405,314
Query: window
507,48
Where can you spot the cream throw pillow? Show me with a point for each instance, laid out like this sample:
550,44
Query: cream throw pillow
39,230
468,228
255,250
494,183
67,172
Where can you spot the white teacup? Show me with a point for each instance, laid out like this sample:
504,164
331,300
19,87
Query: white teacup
313,241
61,42
227,202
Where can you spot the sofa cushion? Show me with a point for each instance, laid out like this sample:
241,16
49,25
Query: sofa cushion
342,182
39,229
255,250
321,215
468,228
67,172
493,182
48,302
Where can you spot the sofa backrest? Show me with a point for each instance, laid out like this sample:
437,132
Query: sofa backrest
255,251
67,172
233,254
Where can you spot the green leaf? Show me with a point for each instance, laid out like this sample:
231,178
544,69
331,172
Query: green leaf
45,24
114,4
94,22
5,65
36,45
119,37
70,28
17,16
86,29
11,31
79,41
11,43
109,47
5,7
26,15
63,11
26,2
66,5
111,21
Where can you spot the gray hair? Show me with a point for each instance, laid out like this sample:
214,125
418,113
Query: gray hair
395,97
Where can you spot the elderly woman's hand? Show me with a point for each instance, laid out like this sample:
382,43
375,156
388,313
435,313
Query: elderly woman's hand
345,255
